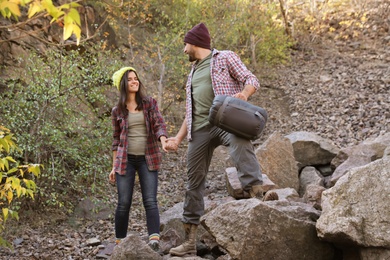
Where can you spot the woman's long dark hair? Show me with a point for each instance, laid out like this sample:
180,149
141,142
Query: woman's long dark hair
124,91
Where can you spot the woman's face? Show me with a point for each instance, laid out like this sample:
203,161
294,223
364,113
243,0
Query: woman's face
132,82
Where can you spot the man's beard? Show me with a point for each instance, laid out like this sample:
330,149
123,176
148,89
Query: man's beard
191,58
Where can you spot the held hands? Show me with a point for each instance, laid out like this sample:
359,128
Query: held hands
171,144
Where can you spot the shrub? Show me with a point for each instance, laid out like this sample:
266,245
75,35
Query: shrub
16,179
59,109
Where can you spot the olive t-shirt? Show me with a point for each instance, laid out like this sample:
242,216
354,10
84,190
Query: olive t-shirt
202,93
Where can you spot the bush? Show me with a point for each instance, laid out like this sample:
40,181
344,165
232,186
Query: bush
58,107
16,180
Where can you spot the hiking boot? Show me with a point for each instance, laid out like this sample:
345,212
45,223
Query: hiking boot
256,191
270,195
189,245
155,245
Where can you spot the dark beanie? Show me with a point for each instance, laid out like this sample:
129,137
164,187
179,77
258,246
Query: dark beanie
198,36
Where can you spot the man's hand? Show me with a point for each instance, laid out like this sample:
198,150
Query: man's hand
242,96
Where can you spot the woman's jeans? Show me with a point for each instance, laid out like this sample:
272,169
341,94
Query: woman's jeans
125,184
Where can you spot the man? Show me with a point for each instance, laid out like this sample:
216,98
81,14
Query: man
213,73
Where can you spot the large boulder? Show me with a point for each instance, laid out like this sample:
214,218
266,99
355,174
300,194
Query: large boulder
276,157
358,155
134,248
252,229
356,210
311,149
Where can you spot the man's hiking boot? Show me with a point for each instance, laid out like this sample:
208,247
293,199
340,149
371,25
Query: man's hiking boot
270,195
256,191
189,245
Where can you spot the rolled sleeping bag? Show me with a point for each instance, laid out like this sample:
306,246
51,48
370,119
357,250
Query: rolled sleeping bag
238,117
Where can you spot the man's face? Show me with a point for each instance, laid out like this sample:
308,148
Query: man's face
189,49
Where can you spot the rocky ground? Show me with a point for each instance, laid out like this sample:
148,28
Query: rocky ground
337,89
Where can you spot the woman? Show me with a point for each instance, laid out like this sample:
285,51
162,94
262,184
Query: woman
138,126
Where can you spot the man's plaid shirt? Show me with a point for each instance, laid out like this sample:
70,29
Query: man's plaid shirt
155,128
229,75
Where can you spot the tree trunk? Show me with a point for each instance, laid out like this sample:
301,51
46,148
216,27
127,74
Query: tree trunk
285,19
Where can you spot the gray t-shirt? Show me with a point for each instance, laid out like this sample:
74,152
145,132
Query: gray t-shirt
137,136
202,93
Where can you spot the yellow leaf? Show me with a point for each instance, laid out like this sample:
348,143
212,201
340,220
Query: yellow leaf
77,32
4,144
24,2
13,8
10,196
34,8
35,169
75,16
30,193
51,9
18,191
68,30
5,213
15,183
75,5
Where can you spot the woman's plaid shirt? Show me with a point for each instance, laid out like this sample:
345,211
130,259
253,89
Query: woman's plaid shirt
155,127
229,75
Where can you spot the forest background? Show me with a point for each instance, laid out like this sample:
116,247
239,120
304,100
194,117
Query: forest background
57,94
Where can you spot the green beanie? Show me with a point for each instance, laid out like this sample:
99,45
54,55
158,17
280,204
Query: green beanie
116,78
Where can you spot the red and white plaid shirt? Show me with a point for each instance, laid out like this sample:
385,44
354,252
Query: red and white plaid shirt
229,75
155,127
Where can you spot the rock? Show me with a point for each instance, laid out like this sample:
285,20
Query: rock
288,194
134,248
276,157
309,175
93,242
313,195
311,149
359,155
250,228
357,210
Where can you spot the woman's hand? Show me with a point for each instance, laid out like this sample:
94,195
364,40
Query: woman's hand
111,177
172,144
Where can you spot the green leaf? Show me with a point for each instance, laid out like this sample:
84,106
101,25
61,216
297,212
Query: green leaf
12,170
9,158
